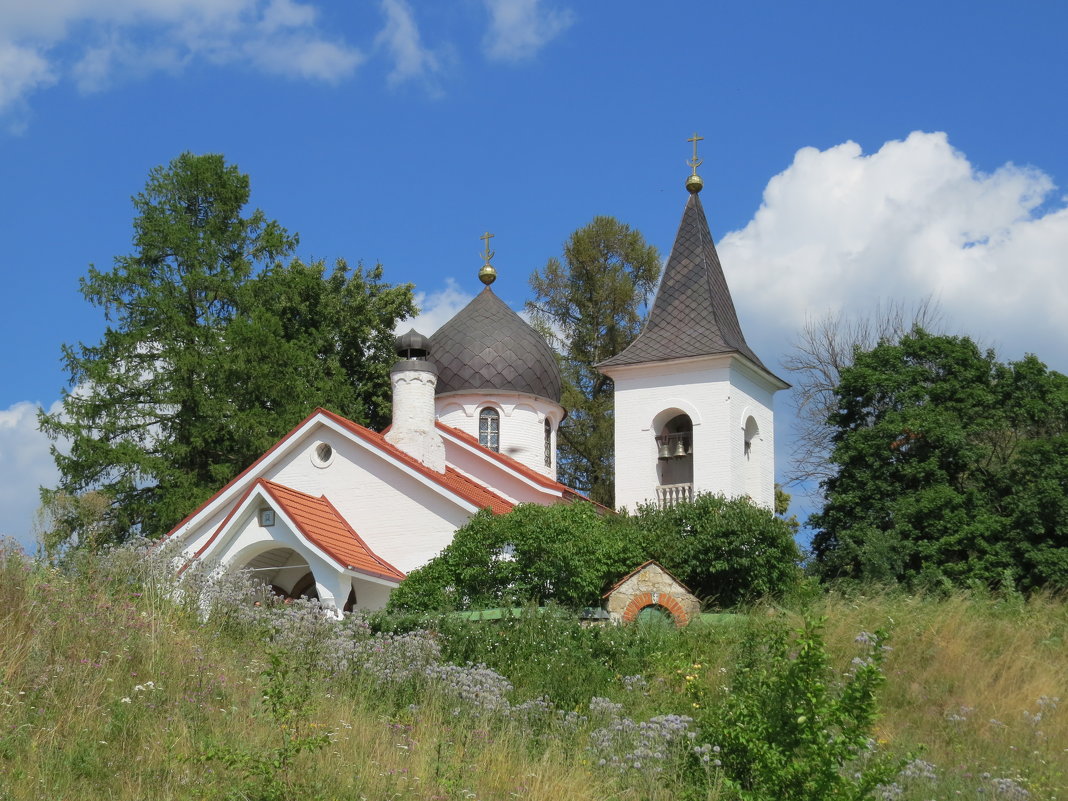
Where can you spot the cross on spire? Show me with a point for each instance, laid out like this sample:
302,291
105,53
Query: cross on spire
694,182
488,274
695,162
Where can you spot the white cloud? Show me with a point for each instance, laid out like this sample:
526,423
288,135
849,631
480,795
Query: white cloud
436,308
25,465
23,70
401,37
520,28
840,230
93,41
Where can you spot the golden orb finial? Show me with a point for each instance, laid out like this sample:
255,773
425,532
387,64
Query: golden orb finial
488,274
694,184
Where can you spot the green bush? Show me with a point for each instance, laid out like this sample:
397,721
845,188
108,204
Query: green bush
567,554
728,551
792,729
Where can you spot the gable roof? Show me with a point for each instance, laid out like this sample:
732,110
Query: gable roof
692,314
323,525
638,570
451,481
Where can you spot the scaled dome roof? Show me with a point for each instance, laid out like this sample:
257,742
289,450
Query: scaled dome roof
487,347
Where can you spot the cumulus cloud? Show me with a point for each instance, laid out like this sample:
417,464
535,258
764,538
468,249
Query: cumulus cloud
436,308
401,38
25,465
90,42
520,28
840,230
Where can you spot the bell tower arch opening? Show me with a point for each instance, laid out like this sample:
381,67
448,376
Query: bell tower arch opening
753,454
674,457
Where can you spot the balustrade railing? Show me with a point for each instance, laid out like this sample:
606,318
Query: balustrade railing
671,494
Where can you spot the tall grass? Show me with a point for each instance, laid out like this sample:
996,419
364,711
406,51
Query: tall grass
114,685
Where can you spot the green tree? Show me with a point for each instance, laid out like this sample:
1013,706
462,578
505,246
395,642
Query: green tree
567,553
214,347
590,306
951,468
726,550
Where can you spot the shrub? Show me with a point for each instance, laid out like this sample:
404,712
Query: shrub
566,553
727,550
790,728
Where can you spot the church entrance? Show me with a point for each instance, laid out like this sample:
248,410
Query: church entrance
286,573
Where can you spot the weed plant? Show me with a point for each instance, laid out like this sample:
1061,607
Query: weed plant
116,682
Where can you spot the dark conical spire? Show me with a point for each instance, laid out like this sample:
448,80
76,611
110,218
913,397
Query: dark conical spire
692,314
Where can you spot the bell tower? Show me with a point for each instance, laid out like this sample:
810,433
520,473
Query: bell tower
693,402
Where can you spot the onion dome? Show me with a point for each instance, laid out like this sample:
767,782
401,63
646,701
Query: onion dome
412,345
488,348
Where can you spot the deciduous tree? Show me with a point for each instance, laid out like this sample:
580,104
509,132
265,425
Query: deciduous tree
214,347
950,468
590,305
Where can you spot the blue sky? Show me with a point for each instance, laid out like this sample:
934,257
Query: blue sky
853,152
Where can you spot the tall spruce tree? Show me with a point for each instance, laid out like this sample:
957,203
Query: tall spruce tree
214,347
590,306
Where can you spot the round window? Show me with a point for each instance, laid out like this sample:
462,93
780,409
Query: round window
322,454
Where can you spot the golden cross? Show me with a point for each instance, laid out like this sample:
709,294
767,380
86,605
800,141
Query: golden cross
488,254
695,162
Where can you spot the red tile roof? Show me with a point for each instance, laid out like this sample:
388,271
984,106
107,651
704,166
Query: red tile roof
514,464
321,523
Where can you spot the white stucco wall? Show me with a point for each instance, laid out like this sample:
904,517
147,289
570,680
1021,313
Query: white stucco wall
404,521
713,392
522,423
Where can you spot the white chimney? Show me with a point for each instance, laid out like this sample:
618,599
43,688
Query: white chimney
414,380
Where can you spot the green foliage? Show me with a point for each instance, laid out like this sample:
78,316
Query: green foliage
566,553
729,551
267,772
951,469
590,306
725,550
548,653
215,347
790,729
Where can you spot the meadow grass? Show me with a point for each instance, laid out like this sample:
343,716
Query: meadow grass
111,686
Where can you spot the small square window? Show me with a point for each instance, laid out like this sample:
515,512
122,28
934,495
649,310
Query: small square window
266,517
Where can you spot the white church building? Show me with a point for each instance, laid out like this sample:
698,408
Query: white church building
339,512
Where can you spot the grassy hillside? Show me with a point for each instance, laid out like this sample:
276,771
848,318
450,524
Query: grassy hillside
114,686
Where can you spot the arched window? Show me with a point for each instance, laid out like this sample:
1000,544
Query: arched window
489,429
752,431
548,443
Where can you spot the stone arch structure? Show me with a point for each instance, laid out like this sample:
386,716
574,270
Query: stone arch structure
650,585
646,599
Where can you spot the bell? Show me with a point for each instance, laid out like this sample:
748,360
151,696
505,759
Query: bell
680,448
689,447
665,451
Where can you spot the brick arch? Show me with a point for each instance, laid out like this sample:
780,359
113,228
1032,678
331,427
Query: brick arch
646,599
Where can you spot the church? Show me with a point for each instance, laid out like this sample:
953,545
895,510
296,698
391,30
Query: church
341,513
